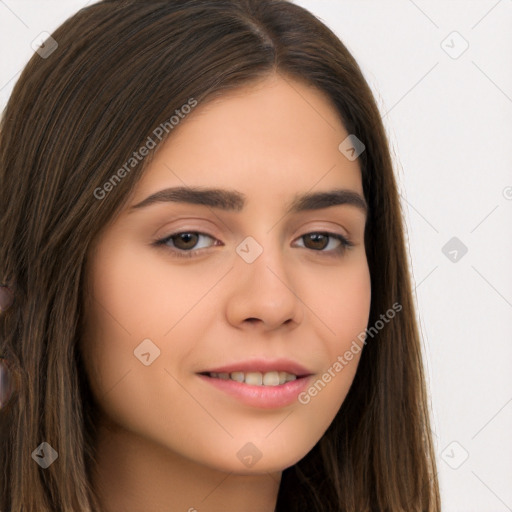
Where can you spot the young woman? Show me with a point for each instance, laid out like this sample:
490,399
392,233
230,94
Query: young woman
206,301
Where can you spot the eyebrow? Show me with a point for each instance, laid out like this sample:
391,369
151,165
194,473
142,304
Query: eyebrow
232,200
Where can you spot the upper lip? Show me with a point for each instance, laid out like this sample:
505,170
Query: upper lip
263,366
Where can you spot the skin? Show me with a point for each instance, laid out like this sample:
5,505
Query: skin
167,440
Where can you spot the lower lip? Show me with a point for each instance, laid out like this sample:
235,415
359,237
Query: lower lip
264,397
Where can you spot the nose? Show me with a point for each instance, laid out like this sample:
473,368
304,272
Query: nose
263,288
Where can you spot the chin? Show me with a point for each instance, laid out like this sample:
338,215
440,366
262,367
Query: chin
248,459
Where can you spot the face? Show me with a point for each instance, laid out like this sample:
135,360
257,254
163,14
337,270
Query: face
251,288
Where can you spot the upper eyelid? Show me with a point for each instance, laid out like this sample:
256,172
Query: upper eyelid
347,230
204,233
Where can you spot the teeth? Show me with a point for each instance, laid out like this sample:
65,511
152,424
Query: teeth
238,376
271,379
256,378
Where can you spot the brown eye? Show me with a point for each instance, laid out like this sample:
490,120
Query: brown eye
183,244
318,242
185,240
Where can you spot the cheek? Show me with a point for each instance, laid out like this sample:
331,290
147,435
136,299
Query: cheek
119,306
141,292
132,303
345,317
346,307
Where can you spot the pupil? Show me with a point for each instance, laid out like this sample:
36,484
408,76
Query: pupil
187,238
316,238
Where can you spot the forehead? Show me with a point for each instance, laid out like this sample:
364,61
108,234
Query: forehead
275,137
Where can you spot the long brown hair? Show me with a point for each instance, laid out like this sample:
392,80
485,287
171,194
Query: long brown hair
74,118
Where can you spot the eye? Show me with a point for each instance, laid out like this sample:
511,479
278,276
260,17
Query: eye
319,239
184,244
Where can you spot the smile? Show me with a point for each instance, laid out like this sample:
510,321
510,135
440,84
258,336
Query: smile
273,378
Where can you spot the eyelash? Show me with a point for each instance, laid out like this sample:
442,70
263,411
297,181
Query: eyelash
180,253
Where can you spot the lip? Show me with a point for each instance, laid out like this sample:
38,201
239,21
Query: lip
263,397
263,366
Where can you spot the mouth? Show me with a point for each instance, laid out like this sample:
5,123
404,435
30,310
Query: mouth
262,383
272,378
269,390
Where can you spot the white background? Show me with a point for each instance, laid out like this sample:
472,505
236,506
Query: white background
450,126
